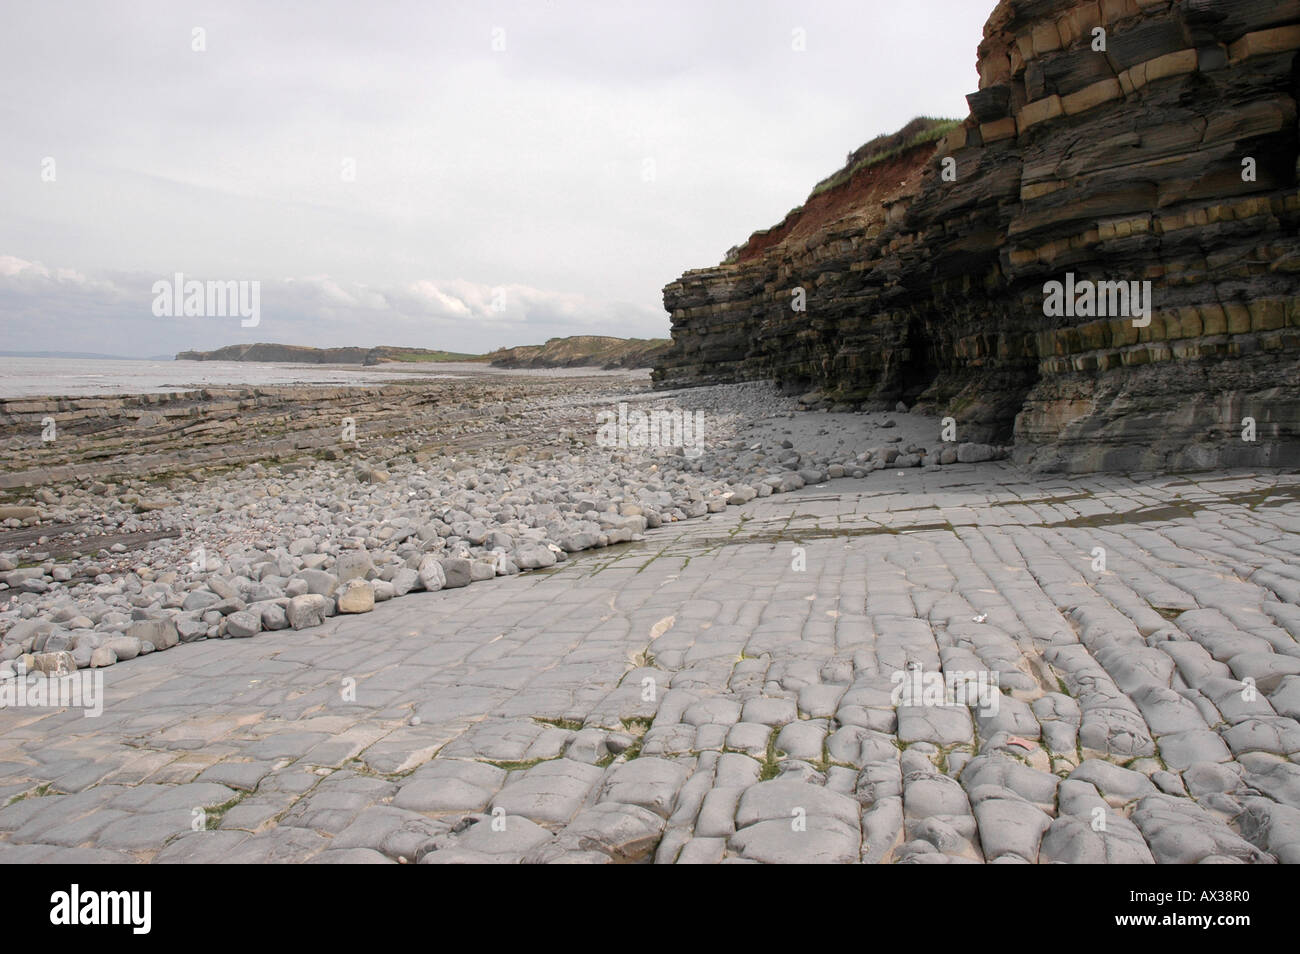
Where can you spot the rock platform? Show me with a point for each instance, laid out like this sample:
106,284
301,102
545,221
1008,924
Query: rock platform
720,692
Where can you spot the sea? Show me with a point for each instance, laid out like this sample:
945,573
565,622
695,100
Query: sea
83,377
80,377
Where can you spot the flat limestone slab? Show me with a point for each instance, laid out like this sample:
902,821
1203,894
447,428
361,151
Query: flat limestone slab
703,696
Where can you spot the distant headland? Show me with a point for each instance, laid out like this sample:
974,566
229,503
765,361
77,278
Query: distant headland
573,352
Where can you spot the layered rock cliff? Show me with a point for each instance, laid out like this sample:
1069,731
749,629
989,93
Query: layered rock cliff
1110,140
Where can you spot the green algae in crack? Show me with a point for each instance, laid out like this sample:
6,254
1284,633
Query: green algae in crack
517,766
356,764
650,562
825,763
1185,509
770,766
39,792
637,727
212,816
572,725
785,534
633,751
940,761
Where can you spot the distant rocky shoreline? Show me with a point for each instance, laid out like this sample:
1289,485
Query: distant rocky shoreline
578,351
300,354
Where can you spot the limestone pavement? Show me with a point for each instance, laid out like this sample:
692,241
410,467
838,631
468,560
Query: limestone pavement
726,691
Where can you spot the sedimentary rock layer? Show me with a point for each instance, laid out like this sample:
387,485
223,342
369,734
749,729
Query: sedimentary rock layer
49,440
1169,156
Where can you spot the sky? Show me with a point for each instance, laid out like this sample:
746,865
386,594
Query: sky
460,176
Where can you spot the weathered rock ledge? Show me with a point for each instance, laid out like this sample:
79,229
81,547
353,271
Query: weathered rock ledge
1128,164
59,439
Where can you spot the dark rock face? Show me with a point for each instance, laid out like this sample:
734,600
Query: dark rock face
1128,164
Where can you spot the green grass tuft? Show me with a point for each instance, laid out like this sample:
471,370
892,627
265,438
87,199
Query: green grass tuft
918,132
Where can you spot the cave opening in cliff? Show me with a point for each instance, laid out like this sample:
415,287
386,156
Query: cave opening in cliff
919,366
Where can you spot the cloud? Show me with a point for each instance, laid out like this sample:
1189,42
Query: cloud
523,168
34,276
59,309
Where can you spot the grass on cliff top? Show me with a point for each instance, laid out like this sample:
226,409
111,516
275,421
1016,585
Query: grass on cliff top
919,131
577,350
434,356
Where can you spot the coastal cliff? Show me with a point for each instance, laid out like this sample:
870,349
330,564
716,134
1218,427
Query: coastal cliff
577,351
582,351
1128,141
302,354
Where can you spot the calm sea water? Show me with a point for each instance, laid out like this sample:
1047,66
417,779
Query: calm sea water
64,377
79,377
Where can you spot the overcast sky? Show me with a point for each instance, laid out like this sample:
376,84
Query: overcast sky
446,175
